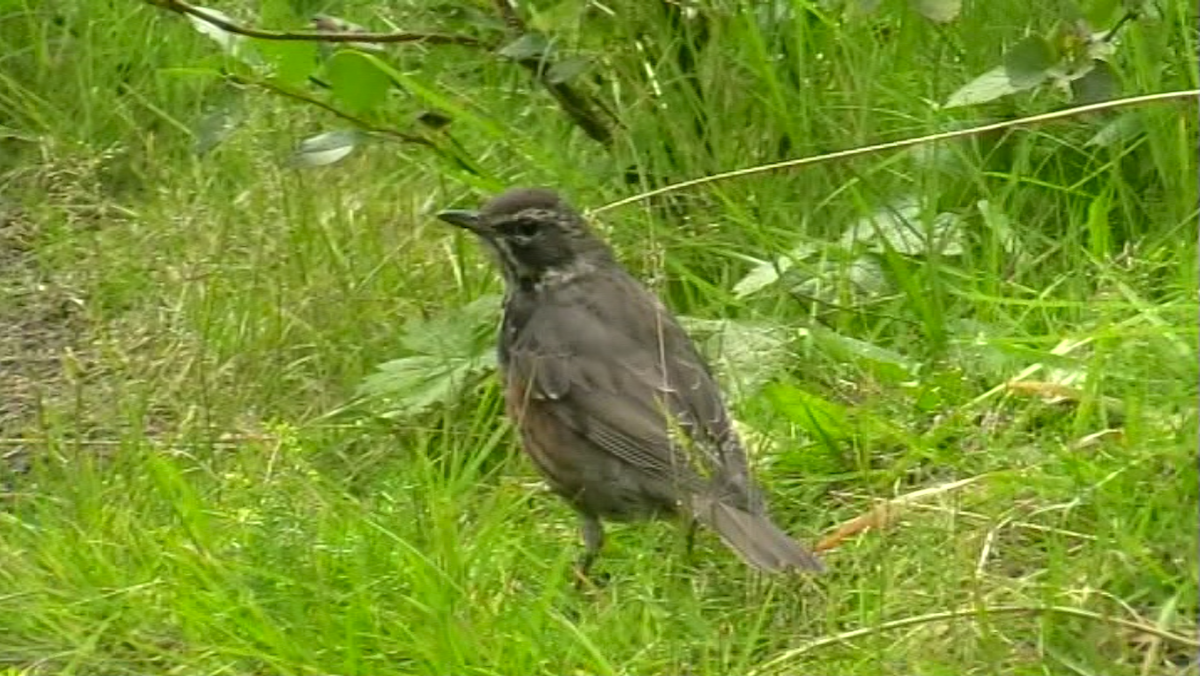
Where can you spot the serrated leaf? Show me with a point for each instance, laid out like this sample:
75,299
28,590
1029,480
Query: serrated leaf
1123,129
1098,84
413,384
567,70
999,223
214,128
899,228
1027,64
448,351
987,87
528,46
886,365
940,11
745,355
454,332
327,148
292,62
356,81
766,273
822,418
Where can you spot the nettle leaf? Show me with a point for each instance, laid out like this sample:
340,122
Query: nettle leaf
884,364
292,62
567,70
1028,62
356,81
457,332
818,416
528,46
990,86
327,148
766,273
414,384
940,11
1123,129
215,127
753,352
900,227
1098,84
448,352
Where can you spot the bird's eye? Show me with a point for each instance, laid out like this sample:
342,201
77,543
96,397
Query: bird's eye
524,229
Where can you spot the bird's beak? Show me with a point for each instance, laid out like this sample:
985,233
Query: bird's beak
468,220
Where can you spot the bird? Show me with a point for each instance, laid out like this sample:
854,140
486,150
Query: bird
611,399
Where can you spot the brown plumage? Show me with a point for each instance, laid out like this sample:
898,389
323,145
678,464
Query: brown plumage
613,403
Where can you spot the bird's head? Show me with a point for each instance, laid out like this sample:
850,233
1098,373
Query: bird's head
533,234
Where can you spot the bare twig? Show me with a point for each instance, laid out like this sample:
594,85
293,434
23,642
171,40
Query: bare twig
181,7
356,121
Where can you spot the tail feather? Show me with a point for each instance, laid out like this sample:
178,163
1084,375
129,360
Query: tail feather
755,538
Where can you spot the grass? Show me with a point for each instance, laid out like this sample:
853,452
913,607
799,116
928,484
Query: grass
183,338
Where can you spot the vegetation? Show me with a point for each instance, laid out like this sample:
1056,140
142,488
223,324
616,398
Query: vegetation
247,417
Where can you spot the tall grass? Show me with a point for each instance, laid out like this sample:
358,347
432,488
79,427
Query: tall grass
206,496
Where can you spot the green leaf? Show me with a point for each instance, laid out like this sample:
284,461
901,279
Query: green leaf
1096,85
820,417
449,351
326,148
1028,63
900,228
215,127
528,46
987,87
292,62
1124,129
940,11
766,273
886,365
357,83
744,354
413,384
567,70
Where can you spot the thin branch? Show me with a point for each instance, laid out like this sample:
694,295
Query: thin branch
181,7
356,121
898,145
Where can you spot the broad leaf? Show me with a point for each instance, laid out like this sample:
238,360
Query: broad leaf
745,355
1029,61
326,148
214,128
940,11
766,273
820,417
357,83
292,62
987,87
900,227
528,46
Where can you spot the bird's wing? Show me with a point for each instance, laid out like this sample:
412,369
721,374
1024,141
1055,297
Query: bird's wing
631,382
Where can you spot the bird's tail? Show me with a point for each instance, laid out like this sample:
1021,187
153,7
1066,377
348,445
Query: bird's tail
755,538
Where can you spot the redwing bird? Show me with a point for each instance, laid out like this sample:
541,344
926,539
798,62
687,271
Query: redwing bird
612,401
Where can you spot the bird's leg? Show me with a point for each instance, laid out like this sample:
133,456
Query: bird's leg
593,540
